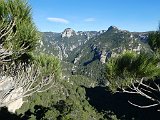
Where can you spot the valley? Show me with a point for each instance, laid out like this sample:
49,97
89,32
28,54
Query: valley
86,52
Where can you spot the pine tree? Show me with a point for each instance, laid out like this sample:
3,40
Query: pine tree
154,40
18,33
18,38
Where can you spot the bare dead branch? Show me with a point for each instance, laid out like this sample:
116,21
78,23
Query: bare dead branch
7,29
144,90
7,34
147,106
23,83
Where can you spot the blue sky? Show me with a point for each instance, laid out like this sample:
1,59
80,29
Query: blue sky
86,15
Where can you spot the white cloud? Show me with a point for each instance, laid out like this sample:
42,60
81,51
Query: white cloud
59,20
89,19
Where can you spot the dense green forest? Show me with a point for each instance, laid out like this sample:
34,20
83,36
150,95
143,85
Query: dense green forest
35,85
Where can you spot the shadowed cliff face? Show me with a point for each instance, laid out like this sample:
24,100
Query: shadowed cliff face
104,100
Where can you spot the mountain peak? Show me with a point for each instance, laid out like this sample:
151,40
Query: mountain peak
68,29
113,28
68,32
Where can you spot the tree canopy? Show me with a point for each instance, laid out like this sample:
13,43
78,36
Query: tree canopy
154,40
129,67
18,33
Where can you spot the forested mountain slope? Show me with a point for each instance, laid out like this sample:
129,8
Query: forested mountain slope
88,51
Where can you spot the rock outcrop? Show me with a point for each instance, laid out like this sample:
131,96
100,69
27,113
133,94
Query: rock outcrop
68,32
12,100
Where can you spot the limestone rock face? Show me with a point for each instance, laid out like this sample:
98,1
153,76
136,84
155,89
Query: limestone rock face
17,103
68,32
103,57
113,28
13,100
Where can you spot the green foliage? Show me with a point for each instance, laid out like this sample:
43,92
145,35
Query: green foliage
154,41
16,21
80,80
130,66
65,101
48,64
